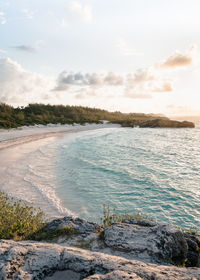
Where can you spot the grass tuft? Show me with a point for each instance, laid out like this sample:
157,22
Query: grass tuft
111,216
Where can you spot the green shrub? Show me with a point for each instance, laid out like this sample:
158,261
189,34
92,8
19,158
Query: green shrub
110,217
50,235
18,220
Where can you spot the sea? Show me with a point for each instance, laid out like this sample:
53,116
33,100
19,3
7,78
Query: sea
155,172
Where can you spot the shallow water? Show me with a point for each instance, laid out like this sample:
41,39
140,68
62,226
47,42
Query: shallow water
154,171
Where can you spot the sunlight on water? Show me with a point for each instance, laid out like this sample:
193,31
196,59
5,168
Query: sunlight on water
155,171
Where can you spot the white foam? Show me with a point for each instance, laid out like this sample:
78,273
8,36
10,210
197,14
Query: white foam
27,166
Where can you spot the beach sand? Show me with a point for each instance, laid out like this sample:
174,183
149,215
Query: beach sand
17,148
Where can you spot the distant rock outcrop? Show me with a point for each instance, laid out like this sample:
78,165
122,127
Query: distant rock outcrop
158,123
167,124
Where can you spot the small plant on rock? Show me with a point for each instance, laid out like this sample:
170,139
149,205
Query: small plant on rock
111,216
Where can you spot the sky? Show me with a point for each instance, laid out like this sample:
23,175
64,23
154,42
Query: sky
120,55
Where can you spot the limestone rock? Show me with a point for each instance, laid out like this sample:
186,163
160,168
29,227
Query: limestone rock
148,242
143,240
80,226
120,275
33,260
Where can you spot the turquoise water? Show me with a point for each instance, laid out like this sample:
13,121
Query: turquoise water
154,171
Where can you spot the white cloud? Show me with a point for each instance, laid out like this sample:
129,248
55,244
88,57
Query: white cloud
80,12
39,43
112,79
2,18
67,79
140,84
64,23
165,86
28,14
178,59
144,82
85,93
20,86
181,110
2,51
127,50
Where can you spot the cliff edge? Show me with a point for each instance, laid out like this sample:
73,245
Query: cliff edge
132,249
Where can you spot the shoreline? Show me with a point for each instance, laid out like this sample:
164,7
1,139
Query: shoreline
18,150
29,165
28,134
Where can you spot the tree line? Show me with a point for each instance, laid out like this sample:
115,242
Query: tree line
32,114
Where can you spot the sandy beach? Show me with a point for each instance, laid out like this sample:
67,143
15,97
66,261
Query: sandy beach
20,147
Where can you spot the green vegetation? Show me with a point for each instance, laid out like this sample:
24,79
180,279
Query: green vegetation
111,216
11,117
190,231
42,234
17,220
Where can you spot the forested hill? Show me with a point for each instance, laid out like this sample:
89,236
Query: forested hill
11,117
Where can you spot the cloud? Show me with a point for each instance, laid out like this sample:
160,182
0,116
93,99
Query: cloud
64,23
18,85
181,110
30,49
28,14
178,59
85,93
126,50
131,93
140,84
144,82
112,79
25,48
165,87
80,12
2,51
39,43
2,18
67,79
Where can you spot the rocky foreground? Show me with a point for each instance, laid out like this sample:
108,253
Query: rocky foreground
129,250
